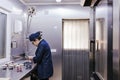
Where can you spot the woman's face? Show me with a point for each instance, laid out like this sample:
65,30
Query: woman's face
35,43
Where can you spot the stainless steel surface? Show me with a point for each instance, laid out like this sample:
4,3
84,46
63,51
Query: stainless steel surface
110,41
116,40
75,65
104,54
100,56
75,49
13,74
53,37
92,42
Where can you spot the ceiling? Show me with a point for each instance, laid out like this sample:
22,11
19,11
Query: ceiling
63,2
49,2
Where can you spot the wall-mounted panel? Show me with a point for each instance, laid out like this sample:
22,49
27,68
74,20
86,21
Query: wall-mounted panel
3,22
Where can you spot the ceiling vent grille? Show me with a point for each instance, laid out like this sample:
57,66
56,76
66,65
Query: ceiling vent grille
89,2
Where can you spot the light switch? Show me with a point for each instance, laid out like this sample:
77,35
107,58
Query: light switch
53,50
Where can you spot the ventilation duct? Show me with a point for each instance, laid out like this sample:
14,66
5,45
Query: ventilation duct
89,2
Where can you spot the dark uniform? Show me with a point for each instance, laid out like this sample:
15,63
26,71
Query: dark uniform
44,60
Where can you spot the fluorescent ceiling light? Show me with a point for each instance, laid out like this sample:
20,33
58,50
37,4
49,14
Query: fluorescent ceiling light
58,0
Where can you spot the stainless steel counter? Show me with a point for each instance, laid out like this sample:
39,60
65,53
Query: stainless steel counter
14,74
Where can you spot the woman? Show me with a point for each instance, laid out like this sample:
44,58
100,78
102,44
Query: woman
42,58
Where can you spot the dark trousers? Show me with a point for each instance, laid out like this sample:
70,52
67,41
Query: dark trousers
36,78
34,75
44,79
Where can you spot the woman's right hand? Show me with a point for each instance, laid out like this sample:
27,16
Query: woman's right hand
30,58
